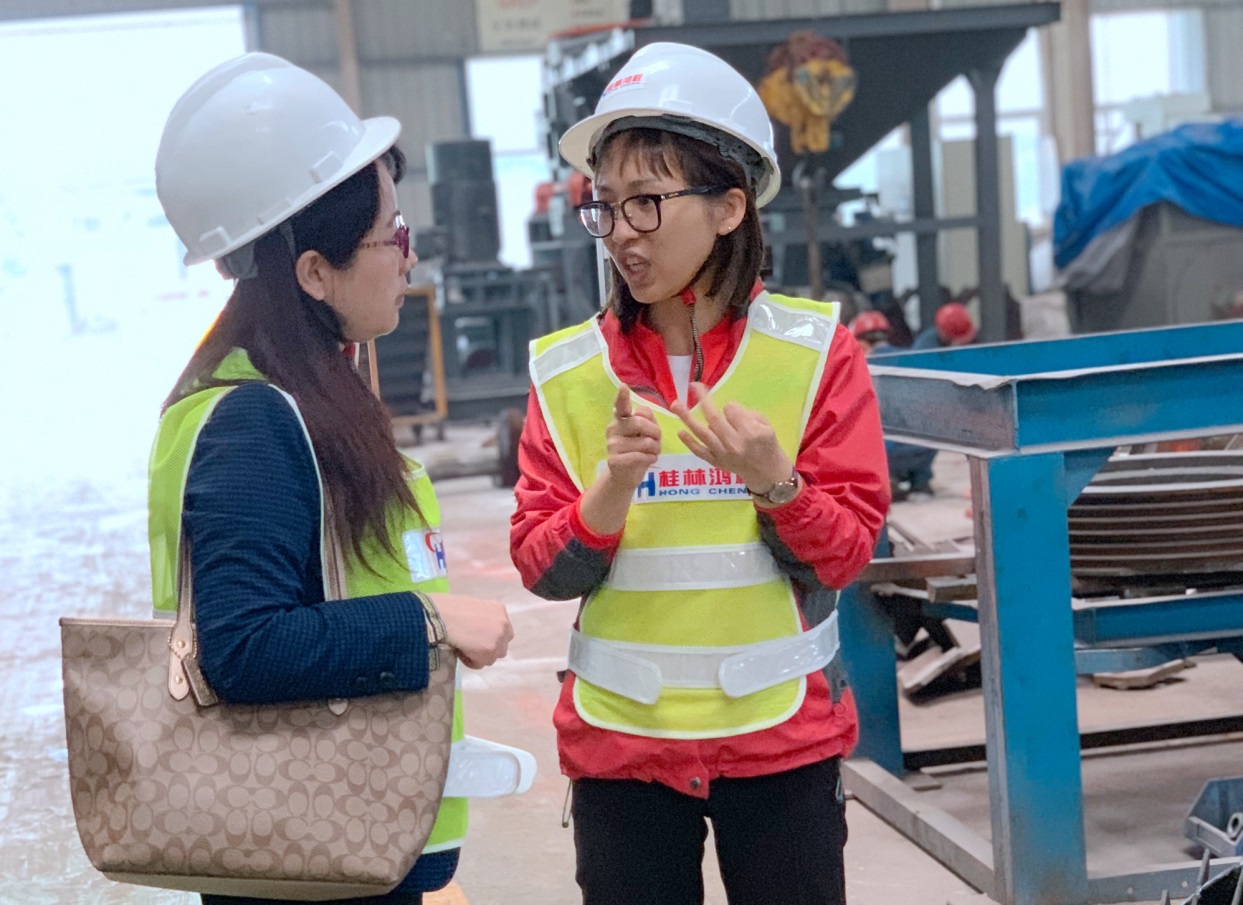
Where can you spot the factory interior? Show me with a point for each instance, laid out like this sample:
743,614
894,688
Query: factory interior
1026,214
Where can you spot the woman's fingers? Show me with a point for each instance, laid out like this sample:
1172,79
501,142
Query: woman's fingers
701,430
695,446
721,426
621,404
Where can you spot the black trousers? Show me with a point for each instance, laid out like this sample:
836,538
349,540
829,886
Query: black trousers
779,839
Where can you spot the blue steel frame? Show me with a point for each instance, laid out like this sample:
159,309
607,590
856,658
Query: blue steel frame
1037,420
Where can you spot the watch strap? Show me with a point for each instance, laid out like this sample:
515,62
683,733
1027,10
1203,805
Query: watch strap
790,483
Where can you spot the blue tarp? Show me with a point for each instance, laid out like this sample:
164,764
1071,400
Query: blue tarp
1198,167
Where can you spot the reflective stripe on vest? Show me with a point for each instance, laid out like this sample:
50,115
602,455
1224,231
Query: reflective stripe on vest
171,455
692,586
640,671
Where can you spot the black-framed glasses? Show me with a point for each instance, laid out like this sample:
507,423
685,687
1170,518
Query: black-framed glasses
642,212
401,238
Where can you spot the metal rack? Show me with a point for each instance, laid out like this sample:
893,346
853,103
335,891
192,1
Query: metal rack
1037,420
410,358
488,316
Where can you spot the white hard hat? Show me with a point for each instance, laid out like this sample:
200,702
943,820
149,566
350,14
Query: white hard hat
681,84
250,144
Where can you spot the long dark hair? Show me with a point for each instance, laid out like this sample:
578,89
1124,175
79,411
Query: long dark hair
295,341
735,260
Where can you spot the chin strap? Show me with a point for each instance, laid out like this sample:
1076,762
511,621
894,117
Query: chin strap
688,299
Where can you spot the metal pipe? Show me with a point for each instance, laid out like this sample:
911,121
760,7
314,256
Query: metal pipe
988,205
806,182
923,206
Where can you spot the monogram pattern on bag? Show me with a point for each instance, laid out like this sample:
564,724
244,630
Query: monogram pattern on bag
274,792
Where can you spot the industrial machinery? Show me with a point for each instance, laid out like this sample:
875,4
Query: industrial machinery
897,64
409,372
1037,421
836,86
489,310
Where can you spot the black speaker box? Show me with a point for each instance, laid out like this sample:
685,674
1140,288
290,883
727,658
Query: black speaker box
468,160
467,212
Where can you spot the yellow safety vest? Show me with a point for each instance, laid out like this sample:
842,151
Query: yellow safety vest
695,629
421,566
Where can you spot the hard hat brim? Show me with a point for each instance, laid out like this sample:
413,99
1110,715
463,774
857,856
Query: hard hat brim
577,142
379,134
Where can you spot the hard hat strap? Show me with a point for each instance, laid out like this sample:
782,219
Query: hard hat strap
240,264
731,148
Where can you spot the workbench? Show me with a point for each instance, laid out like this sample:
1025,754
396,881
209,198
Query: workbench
1036,421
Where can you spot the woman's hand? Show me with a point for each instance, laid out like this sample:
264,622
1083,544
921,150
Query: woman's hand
478,629
633,441
633,438
734,438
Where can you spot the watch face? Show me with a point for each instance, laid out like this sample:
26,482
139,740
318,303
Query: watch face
783,492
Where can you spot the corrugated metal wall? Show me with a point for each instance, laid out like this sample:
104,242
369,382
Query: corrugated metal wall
410,55
410,66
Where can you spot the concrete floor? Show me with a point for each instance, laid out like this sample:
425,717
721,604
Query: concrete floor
74,542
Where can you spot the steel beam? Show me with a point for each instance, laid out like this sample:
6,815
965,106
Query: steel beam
1081,466
871,668
1157,620
1089,661
932,565
775,31
992,288
952,843
937,399
924,207
1081,354
1148,885
1028,667
830,231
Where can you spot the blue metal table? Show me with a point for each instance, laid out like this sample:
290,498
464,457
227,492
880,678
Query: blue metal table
1036,420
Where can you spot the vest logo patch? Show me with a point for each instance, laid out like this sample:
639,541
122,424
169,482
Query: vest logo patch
425,554
676,477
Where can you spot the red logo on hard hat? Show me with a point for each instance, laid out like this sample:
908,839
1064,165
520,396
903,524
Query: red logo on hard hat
624,80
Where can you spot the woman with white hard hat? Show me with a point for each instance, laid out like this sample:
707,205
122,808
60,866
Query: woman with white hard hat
702,464
270,434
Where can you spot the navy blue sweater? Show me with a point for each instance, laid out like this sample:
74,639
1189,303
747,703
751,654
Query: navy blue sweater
266,633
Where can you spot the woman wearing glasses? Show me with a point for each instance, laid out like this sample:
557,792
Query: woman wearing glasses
265,170
702,464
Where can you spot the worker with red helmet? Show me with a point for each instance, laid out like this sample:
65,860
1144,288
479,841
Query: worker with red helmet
952,326
870,329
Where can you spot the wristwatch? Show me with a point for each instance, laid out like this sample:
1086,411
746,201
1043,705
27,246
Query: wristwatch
781,492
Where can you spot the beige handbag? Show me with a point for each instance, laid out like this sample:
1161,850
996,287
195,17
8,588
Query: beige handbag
306,801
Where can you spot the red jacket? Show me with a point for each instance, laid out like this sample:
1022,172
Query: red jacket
844,498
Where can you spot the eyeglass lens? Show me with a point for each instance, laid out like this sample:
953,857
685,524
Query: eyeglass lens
402,237
642,212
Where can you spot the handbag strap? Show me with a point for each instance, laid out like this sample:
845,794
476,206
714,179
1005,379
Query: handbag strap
185,675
